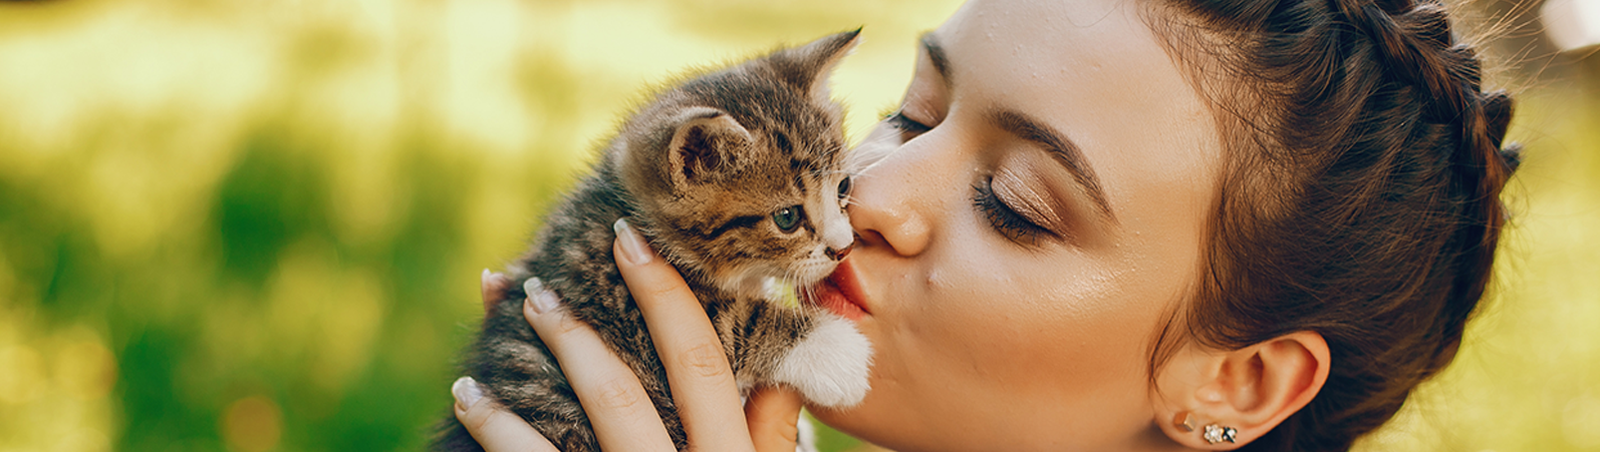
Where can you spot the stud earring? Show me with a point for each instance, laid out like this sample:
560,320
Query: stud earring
1215,434
1183,421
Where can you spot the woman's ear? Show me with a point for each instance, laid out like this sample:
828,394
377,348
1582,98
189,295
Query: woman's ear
1250,390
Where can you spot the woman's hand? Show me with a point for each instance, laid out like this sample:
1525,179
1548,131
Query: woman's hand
618,407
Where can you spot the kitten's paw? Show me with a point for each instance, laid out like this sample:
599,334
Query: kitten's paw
830,365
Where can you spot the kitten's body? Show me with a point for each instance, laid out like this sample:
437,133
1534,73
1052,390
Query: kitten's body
706,172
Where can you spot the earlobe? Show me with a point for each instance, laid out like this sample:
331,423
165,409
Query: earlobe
1250,390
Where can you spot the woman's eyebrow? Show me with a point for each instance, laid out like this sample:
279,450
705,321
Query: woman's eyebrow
1063,150
941,64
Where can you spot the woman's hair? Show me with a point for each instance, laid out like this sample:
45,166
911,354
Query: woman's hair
1359,196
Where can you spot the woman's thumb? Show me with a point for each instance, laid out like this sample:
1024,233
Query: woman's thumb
773,414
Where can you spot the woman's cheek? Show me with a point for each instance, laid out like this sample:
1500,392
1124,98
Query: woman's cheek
1057,320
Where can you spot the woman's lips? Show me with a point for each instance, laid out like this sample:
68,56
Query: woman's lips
840,293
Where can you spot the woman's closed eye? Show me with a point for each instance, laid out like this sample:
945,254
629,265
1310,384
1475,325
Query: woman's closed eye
909,128
1006,220
1018,213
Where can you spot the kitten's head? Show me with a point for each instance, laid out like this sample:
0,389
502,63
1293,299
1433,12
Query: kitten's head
741,175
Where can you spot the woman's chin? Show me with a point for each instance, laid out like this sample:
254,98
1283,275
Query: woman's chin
845,420
866,421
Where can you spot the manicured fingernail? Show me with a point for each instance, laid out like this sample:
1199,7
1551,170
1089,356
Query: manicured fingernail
483,284
496,281
466,391
634,249
539,300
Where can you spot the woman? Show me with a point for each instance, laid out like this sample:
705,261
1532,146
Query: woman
1114,225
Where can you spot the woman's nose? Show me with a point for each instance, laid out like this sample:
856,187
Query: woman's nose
894,203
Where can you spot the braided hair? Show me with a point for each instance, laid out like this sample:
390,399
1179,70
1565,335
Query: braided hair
1359,196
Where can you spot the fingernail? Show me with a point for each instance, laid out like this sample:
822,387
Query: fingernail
485,278
466,391
539,300
634,249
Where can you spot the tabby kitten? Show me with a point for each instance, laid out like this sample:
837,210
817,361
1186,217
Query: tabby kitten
737,177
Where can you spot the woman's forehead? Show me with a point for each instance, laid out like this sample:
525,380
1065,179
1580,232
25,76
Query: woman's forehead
1067,48
1095,71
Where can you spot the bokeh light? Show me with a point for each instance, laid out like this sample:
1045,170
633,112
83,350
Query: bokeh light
258,226
252,424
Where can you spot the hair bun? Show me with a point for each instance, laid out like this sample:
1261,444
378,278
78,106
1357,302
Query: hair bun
1511,155
1497,107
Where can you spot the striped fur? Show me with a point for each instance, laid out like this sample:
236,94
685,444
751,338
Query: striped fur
700,171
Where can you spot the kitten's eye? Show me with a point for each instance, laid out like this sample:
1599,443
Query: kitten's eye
787,219
844,188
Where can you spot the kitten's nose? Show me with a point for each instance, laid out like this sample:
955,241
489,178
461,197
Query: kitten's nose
838,254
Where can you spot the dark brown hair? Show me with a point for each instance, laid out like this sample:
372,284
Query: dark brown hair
1359,196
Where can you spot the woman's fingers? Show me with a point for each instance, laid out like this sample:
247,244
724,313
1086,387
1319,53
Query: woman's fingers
493,288
697,368
621,412
496,429
774,416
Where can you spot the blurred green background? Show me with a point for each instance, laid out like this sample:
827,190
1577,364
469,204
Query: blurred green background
258,226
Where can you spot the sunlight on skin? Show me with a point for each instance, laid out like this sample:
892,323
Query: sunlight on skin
127,120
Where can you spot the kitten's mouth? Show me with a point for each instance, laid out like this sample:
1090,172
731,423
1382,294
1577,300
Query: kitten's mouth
839,293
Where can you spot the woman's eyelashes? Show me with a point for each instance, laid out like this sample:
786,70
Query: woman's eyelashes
909,128
1005,220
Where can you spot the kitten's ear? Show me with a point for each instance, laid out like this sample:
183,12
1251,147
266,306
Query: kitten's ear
704,144
807,67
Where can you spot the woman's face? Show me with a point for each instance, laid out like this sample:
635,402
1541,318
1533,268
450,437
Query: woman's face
1040,213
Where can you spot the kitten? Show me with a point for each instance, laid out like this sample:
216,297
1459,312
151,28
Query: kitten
737,177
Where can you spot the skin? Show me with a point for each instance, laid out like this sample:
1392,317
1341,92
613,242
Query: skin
1027,338
984,339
